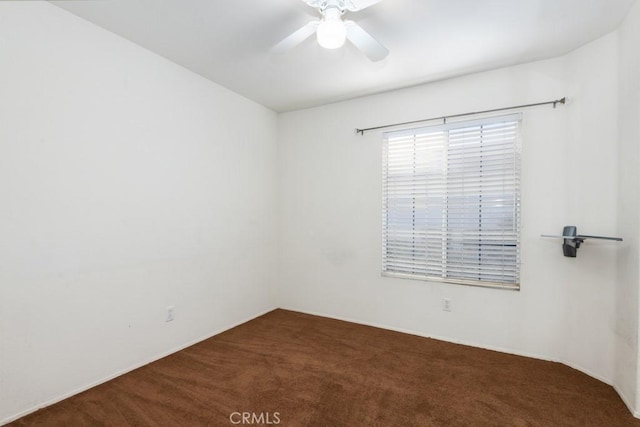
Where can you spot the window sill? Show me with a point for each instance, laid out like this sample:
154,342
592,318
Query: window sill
475,283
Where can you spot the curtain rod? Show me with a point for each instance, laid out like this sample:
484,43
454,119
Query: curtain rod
557,101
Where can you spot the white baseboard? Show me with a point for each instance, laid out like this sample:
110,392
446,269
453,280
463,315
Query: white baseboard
424,335
129,369
627,402
346,319
473,344
587,371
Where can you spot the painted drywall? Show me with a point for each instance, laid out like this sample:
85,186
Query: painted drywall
628,262
588,181
330,213
127,184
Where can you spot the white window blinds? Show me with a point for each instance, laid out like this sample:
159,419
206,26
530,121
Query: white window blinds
451,203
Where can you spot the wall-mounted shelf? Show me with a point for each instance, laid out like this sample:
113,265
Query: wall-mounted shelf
572,240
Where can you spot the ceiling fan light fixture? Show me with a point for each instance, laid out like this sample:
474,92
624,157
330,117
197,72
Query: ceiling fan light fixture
331,32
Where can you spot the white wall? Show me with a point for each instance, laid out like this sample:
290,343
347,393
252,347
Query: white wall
330,220
127,184
588,182
628,279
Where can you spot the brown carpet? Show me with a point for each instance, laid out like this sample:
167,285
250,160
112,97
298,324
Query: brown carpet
302,370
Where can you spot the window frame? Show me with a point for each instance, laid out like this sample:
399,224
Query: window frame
512,267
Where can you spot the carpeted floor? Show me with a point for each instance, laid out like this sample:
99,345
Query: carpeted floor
293,369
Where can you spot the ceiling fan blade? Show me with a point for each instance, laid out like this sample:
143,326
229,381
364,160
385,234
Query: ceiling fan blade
296,38
365,42
356,5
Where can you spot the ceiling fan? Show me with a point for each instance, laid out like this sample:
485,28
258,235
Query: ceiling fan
332,31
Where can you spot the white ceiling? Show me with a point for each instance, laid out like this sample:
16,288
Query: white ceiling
228,41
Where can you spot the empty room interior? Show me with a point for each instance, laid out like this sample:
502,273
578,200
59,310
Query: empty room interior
319,212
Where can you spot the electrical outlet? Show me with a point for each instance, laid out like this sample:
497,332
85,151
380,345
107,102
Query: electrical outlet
170,314
447,305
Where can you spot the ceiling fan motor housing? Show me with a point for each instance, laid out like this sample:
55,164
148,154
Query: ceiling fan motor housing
328,5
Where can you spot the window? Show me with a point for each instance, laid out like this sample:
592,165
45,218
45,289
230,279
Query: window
451,203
